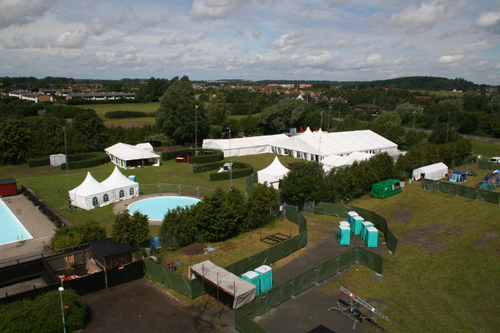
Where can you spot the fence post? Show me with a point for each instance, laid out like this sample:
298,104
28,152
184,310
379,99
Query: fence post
293,286
338,263
267,309
456,192
317,271
180,189
438,185
198,189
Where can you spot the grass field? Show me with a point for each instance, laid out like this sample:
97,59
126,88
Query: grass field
101,109
487,150
442,278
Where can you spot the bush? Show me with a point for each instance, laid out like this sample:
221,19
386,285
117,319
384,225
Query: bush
85,160
43,314
152,114
86,232
125,114
240,170
131,229
37,162
200,159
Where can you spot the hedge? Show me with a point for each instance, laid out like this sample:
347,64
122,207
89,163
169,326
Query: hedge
85,160
240,170
37,162
200,159
125,114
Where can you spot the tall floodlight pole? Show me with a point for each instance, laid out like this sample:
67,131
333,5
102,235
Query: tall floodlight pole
61,289
414,111
329,110
196,130
67,172
230,162
448,127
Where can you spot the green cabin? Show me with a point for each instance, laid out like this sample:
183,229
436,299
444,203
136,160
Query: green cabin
386,188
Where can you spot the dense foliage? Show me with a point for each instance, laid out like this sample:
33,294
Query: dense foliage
125,114
83,233
43,314
220,216
131,229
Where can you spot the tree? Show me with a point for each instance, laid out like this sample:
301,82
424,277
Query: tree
257,208
280,117
92,128
130,229
176,114
304,182
14,141
83,233
217,113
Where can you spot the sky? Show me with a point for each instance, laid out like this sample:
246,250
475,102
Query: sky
334,40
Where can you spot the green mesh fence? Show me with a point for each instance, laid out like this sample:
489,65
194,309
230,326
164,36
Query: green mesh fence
485,165
305,280
327,269
368,259
244,324
251,179
460,190
331,209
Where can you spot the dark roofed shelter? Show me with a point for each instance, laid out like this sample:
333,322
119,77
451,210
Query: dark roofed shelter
8,186
111,254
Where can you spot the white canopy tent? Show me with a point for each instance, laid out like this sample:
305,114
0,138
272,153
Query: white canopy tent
272,174
244,146
433,171
91,194
242,291
123,188
128,156
337,161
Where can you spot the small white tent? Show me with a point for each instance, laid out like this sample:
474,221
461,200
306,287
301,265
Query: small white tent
272,174
433,171
128,156
91,194
123,188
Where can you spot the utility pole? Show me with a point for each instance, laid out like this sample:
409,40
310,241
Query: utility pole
196,130
414,111
448,127
329,110
230,162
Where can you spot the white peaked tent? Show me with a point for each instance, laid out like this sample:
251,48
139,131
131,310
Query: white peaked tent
128,156
123,188
244,146
336,161
272,174
433,171
91,194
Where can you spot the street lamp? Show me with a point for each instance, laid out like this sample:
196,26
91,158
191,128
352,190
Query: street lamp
196,130
230,162
61,289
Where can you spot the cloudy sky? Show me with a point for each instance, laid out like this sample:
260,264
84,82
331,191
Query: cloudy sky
251,39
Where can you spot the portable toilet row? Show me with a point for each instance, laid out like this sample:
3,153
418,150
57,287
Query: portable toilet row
344,235
261,278
360,227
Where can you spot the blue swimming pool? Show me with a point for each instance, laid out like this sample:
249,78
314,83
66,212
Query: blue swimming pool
11,229
156,208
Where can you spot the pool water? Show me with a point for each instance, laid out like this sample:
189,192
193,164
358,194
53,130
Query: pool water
11,229
156,208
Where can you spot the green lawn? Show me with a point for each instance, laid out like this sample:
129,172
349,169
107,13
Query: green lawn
486,149
101,109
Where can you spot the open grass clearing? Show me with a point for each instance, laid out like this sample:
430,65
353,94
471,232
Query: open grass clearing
101,109
487,149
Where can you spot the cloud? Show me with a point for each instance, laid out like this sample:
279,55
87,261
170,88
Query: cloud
165,16
39,43
22,12
180,37
473,48
72,39
424,17
211,10
336,3
489,21
398,42
152,24
113,40
15,43
256,34
240,32
290,42
450,59
174,56
99,25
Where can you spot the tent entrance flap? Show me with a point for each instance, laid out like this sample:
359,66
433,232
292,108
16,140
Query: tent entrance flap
242,291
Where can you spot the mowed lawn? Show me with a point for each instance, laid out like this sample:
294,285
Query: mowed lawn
101,109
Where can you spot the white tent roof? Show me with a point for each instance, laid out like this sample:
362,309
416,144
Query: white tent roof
145,146
90,186
273,173
128,152
334,161
118,180
433,171
248,142
242,291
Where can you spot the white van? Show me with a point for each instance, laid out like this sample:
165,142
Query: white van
494,160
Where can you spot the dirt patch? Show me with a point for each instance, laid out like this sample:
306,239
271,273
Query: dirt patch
483,243
422,237
402,216
193,249
130,124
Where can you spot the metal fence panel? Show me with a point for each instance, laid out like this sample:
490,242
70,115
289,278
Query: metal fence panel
245,325
304,281
371,260
327,269
279,294
347,259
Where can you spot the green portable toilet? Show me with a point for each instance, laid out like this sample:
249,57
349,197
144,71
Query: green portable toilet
356,224
254,279
344,235
364,226
266,277
371,237
386,188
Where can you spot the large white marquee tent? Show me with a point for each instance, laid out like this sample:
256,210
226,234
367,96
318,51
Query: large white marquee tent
272,174
91,194
433,171
337,161
128,156
307,145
